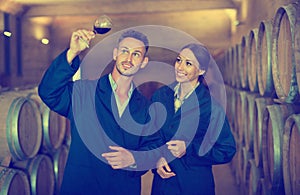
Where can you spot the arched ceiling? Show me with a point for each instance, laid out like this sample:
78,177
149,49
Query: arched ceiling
210,21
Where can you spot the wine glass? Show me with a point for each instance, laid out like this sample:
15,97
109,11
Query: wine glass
102,25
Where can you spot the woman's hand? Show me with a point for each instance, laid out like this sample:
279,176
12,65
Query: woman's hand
177,148
163,169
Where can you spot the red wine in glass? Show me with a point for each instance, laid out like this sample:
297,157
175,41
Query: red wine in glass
101,30
102,25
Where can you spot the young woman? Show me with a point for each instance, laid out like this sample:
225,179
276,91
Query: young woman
196,130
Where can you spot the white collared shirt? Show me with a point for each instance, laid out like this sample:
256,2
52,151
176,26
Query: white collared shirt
114,85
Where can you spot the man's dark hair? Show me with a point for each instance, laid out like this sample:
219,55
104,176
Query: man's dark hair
136,35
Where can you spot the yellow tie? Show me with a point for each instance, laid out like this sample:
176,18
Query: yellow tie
177,103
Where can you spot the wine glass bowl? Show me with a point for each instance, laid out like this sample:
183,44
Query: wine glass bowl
102,25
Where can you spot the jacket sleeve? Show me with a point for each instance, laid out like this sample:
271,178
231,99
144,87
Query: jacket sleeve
217,146
160,115
150,150
55,88
151,144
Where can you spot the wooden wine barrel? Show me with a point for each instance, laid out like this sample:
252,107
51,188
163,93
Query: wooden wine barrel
20,127
230,66
253,176
224,69
228,106
231,101
242,158
41,174
259,108
240,115
264,59
274,119
250,118
285,53
230,109
233,109
262,187
246,156
237,64
243,68
59,159
13,182
237,165
252,60
54,129
234,167
54,125
68,139
290,155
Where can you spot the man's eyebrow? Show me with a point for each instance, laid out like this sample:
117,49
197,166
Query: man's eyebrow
135,49
123,47
139,51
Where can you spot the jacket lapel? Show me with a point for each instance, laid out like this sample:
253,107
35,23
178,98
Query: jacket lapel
107,111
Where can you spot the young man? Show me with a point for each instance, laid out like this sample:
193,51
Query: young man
99,113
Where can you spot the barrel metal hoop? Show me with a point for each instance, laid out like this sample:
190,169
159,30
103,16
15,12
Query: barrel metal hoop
10,175
12,128
46,121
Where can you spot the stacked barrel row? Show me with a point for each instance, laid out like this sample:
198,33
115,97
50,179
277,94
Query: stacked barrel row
262,83
34,144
